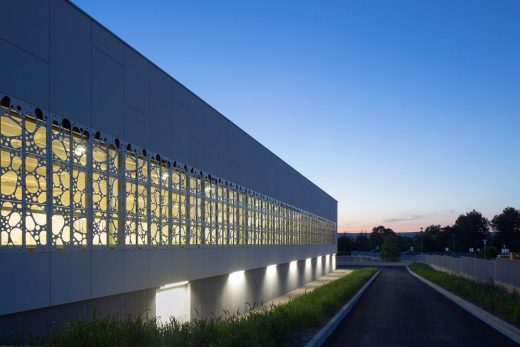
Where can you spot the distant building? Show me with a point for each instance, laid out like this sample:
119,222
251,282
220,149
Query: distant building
122,192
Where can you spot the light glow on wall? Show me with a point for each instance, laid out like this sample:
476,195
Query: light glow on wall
173,301
236,278
293,266
271,281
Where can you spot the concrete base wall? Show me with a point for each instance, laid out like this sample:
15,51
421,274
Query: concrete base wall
41,321
210,297
239,293
35,280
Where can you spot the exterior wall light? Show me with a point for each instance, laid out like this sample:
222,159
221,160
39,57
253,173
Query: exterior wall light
271,270
173,285
293,265
237,277
173,301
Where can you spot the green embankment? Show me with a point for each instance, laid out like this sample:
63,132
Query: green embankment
489,296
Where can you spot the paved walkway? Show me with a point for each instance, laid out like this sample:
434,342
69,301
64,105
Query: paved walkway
308,287
399,310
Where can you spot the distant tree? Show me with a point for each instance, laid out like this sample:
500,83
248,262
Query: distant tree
390,248
432,239
448,238
470,229
488,252
404,243
378,235
362,243
507,226
345,244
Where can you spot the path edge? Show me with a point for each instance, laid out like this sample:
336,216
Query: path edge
321,336
495,322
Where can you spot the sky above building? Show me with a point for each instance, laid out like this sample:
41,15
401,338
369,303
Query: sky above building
406,112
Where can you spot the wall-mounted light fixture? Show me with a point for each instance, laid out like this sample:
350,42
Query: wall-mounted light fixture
173,285
236,278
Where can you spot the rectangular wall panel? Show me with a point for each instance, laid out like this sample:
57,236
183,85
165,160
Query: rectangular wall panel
107,94
34,17
25,76
70,63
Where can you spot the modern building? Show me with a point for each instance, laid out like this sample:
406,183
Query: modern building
122,192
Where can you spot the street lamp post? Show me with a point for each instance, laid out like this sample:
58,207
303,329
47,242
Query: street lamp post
422,240
485,241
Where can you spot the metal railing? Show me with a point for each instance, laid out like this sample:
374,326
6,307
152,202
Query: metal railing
502,271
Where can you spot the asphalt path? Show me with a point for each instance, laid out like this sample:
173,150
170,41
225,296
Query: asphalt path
399,310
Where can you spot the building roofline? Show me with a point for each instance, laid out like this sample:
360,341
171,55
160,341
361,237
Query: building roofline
194,94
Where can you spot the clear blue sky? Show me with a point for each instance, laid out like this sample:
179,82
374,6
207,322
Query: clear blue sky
407,112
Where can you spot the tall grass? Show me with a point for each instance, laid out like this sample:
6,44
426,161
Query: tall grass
279,326
485,294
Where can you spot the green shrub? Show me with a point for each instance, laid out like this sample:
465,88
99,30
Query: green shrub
390,249
488,252
280,325
485,294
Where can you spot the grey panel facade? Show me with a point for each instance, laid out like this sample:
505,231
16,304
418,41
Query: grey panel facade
69,64
71,67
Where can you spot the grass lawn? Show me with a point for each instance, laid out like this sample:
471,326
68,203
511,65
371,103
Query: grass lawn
484,294
279,326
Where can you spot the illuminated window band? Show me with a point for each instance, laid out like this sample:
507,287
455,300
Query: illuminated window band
69,186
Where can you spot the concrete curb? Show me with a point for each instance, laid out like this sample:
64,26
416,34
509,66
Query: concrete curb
498,324
322,335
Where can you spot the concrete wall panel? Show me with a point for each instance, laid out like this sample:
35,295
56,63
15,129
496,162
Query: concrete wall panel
107,42
70,63
108,272
71,278
24,76
137,81
137,127
139,303
42,321
137,269
180,126
161,120
161,271
25,281
107,94
34,17
181,264
28,323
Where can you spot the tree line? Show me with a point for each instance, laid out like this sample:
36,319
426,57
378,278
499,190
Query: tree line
470,230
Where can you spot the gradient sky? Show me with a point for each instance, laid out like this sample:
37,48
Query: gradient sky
407,112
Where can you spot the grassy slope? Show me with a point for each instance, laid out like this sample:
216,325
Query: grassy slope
278,326
487,295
